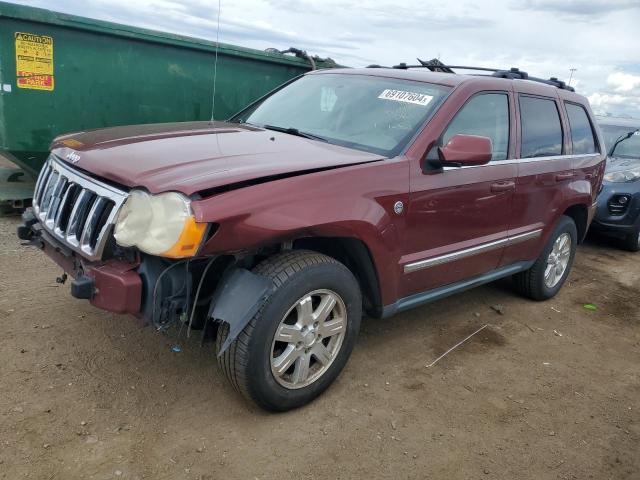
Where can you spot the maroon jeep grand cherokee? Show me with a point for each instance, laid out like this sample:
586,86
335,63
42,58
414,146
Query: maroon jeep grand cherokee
344,191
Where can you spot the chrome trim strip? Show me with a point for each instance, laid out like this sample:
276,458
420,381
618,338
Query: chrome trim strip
512,161
99,188
48,203
468,252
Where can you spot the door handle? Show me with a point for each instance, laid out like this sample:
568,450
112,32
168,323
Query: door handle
560,177
503,186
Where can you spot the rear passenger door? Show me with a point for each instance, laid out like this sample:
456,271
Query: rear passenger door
543,167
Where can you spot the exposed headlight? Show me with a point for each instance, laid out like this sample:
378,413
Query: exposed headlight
159,225
623,176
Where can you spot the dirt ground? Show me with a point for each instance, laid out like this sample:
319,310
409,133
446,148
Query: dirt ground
547,391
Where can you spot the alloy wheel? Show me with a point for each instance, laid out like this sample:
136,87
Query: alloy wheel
558,260
308,339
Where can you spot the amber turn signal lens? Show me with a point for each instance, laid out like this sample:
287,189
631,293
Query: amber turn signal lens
189,241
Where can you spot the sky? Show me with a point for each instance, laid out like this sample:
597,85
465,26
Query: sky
599,38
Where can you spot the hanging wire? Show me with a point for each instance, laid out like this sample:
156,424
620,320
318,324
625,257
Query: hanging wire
195,300
215,65
159,325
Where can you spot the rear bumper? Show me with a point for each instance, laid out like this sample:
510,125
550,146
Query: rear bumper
113,285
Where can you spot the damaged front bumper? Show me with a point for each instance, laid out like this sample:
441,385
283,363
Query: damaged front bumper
132,287
113,285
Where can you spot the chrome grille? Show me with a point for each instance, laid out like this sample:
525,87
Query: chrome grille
76,209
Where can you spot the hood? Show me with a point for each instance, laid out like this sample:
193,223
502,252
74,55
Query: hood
197,156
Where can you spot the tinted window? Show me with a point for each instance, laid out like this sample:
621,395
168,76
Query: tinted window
581,132
541,128
486,115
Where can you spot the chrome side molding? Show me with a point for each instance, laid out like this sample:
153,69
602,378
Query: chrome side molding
468,252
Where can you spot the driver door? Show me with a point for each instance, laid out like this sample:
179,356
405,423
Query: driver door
458,219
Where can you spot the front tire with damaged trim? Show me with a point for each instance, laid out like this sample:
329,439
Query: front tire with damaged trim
299,341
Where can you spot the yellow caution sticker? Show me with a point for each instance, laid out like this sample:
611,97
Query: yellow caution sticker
34,61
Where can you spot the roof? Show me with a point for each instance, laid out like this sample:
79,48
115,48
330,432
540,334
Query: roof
455,79
414,75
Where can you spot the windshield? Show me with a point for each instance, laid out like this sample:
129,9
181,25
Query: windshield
373,114
629,148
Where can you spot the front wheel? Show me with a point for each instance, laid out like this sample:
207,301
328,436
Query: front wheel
300,340
548,274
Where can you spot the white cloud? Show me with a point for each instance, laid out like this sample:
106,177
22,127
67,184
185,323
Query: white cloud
579,7
543,37
620,95
606,100
623,82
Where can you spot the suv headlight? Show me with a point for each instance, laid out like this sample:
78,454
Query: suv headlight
630,175
159,225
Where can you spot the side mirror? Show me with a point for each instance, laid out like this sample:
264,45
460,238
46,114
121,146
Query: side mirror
466,150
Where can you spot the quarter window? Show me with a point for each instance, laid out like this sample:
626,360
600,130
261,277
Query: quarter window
486,115
582,137
541,128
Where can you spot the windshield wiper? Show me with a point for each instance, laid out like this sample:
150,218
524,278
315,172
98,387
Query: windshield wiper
621,139
294,131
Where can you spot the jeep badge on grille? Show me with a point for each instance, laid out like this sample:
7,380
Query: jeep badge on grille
73,157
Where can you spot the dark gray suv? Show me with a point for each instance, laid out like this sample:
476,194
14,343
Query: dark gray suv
618,213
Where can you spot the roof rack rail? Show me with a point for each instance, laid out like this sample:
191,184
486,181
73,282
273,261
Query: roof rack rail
436,65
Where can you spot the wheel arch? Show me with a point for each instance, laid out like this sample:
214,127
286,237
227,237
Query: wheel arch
579,213
356,256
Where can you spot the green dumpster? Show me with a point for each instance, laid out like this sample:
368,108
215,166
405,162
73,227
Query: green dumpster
62,73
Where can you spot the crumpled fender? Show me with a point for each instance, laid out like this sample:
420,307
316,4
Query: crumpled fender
237,299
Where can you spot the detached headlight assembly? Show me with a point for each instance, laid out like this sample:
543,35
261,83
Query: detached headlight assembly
623,176
159,225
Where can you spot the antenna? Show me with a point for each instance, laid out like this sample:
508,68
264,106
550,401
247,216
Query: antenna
215,66
571,75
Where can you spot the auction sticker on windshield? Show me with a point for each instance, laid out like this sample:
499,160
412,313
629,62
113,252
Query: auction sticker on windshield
407,97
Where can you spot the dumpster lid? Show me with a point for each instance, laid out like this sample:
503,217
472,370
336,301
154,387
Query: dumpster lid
41,15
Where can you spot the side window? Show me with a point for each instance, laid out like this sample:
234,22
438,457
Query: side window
582,137
486,115
541,128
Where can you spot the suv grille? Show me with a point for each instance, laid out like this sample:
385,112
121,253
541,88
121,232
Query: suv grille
76,209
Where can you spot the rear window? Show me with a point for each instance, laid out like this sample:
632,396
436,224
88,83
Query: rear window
541,128
582,137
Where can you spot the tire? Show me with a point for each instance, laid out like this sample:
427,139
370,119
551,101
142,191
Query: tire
632,241
247,363
532,283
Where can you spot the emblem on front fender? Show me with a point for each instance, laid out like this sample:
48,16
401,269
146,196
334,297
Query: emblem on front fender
73,157
398,207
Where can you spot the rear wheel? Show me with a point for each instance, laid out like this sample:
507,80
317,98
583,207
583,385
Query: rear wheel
632,241
548,274
300,340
